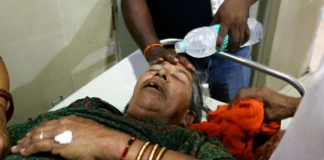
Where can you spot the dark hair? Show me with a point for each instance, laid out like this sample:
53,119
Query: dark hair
197,101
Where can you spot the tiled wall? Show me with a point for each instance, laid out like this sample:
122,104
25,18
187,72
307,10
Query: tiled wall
297,23
52,48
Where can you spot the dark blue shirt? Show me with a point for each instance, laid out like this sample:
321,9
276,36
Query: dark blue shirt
175,18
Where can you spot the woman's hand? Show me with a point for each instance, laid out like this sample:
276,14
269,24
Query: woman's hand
232,15
160,54
4,140
90,140
276,106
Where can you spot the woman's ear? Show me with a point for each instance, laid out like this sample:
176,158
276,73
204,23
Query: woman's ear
189,118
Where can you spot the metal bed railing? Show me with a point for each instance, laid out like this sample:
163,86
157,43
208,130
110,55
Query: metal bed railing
299,86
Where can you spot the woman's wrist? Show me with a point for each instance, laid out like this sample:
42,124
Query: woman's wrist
3,119
144,150
135,149
3,114
116,145
4,84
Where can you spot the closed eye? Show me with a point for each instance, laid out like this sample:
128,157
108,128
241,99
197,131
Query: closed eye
177,78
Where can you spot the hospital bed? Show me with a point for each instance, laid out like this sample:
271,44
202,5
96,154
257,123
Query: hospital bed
116,85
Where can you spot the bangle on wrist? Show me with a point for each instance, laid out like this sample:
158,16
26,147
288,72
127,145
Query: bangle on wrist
161,153
157,153
142,150
4,109
150,47
153,152
7,96
130,142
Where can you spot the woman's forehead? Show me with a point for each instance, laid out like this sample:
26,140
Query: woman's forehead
176,67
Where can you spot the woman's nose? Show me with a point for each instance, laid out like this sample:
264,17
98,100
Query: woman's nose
162,73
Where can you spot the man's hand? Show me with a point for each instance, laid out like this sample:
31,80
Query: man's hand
276,106
160,54
4,141
232,15
139,23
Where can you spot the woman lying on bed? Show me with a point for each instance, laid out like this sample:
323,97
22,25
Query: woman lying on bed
167,98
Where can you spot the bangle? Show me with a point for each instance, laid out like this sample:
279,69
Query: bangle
7,96
150,47
140,154
130,142
156,153
153,151
160,155
4,109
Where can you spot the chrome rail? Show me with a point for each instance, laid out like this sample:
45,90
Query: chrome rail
299,86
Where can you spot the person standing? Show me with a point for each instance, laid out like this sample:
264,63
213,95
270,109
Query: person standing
149,21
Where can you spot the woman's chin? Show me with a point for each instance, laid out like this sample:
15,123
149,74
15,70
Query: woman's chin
144,108
149,105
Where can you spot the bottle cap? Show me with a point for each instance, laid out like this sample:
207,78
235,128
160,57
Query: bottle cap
181,47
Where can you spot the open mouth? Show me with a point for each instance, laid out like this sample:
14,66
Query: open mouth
156,87
153,85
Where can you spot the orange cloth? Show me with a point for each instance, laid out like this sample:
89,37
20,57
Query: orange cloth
241,129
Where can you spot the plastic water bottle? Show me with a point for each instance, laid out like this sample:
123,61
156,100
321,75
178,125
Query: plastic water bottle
201,42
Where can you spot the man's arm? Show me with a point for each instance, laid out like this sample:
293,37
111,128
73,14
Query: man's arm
139,23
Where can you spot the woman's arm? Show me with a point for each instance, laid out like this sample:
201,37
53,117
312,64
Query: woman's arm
136,147
90,141
4,84
193,145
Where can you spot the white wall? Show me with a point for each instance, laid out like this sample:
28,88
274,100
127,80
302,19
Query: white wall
52,48
254,10
297,23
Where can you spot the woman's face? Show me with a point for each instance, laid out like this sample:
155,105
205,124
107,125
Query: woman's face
163,94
